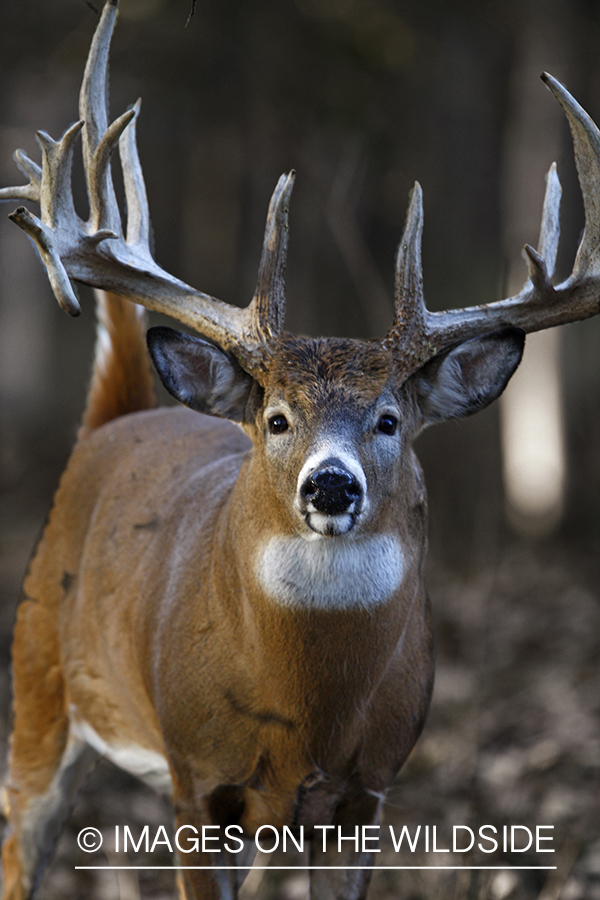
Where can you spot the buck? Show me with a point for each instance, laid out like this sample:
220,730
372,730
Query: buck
228,600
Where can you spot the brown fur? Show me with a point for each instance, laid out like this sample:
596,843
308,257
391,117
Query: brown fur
122,380
310,371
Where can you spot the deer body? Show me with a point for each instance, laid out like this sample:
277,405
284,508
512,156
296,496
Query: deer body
170,660
200,676
228,601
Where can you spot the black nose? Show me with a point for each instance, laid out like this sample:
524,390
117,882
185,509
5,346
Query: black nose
331,490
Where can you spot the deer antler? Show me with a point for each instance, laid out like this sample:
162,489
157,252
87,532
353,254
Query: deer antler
418,335
97,253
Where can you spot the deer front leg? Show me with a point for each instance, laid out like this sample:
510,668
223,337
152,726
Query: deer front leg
350,872
222,881
214,865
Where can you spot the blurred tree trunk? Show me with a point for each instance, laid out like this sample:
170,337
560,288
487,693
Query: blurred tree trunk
532,407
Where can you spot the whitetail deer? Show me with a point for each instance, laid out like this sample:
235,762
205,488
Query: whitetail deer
238,615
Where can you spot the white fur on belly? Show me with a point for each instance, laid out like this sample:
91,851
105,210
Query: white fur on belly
331,573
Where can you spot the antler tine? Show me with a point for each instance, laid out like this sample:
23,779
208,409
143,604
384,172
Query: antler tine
138,213
43,238
411,312
550,227
52,189
98,140
97,254
29,191
268,303
539,305
586,142
104,211
56,196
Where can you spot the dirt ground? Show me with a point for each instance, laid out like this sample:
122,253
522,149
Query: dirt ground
512,738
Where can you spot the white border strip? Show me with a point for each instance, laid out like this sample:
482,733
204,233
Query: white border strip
286,868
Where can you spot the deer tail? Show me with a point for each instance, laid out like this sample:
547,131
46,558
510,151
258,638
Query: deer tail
122,379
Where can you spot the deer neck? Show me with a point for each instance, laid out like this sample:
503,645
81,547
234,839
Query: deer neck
334,606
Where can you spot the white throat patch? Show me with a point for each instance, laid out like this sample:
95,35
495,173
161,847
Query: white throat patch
330,573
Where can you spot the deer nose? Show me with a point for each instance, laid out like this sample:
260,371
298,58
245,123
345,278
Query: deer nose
331,490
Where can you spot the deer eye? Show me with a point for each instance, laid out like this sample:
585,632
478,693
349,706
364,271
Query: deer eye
278,424
387,424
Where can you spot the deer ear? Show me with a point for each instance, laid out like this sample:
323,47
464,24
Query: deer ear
468,377
199,374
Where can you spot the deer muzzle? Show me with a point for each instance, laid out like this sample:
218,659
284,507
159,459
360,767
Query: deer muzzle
330,497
